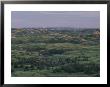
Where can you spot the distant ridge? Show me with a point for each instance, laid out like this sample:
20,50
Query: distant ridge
58,28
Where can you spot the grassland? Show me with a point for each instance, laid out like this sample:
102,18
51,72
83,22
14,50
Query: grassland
55,53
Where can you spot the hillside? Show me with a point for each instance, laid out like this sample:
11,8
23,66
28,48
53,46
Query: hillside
55,52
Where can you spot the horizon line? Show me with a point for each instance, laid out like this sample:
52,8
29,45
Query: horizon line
58,27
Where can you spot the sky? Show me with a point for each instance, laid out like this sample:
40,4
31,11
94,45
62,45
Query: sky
76,19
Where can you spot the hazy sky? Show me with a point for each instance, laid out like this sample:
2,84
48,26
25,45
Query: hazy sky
80,19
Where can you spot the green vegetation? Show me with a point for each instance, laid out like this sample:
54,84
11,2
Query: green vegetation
57,53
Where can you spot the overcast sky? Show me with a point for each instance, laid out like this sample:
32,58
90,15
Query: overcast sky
78,19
